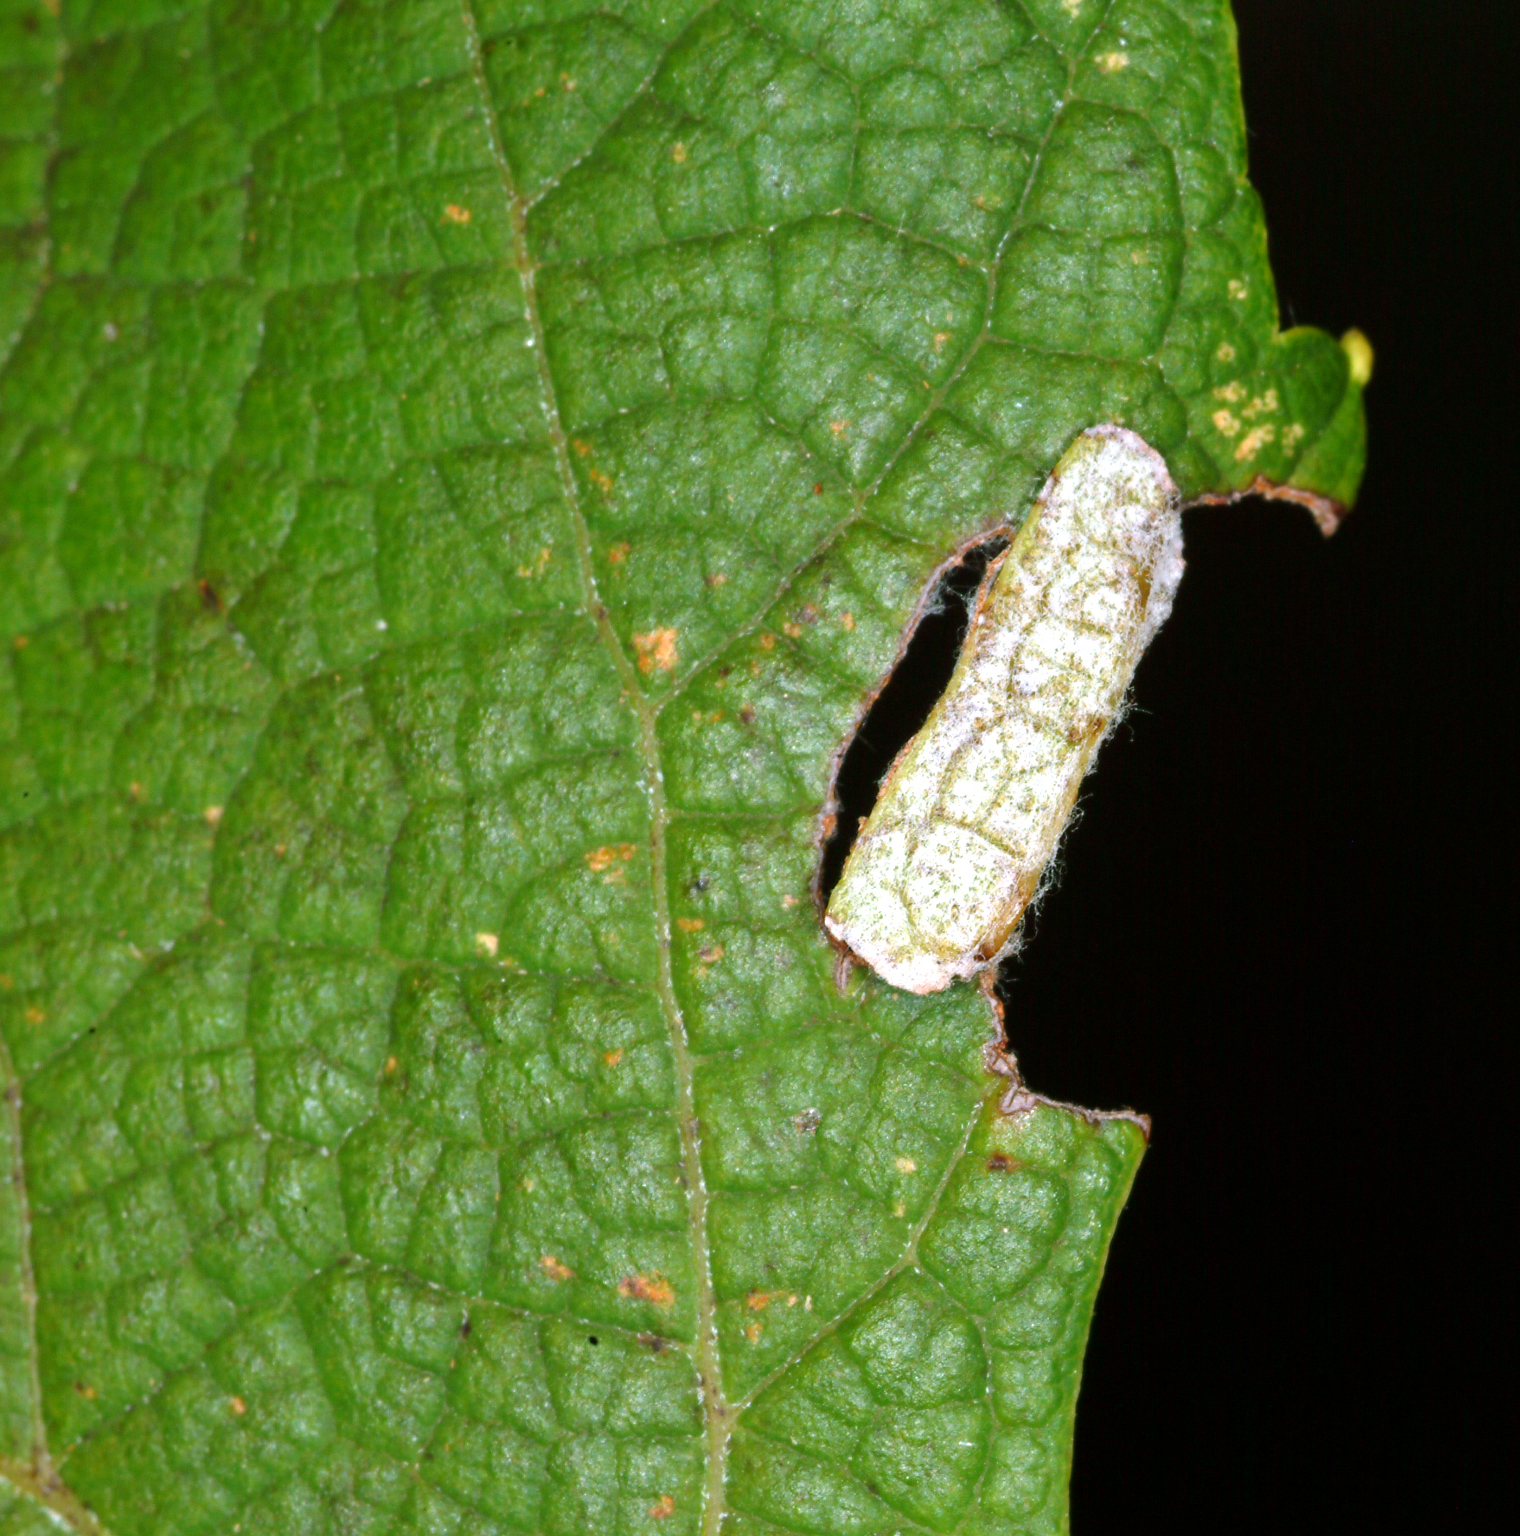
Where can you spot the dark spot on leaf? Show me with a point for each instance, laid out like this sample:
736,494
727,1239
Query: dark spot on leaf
1000,1162
466,1328
211,599
807,1122
818,488
747,714
591,1338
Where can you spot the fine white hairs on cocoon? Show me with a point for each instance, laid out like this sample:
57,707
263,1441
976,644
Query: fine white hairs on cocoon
972,810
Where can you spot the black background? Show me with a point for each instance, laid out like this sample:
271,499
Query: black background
1280,919
1278,929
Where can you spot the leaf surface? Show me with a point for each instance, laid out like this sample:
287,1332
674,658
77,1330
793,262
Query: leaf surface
464,467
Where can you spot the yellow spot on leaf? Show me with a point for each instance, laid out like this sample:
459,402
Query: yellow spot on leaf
552,1267
1264,404
940,338
607,855
237,1405
662,1508
601,480
839,428
1254,441
35,1015
792,631
906,1165
487,944
847,620
390,1065
212,815
21,642
565,81
652,1288
657,649
612,1058
454,214
1292,436
717,579
1231,392
1226,353
753,1331
757,1301
690,924
1111,63
767,641
789,901
1236,289
1225,423
678,153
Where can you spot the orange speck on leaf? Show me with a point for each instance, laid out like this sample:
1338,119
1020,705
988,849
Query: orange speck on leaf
85,1391
612,1058
391,1064
600,479
710,954
690,924
552,1267
618,553
767,641
656,649
35,1015
454,214
839,428
792,631
487,944
678,153
653,1288
717,579
753,1331
662,1507
21,642
212,815
581,446
237,1405
757,1301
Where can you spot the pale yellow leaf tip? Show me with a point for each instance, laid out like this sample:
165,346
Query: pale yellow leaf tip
1358,352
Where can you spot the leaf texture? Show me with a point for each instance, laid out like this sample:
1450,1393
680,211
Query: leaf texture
462,467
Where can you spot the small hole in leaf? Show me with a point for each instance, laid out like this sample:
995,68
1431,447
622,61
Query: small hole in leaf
900,709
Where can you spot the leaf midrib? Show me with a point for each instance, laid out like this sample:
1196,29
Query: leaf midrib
717,1417
718,1413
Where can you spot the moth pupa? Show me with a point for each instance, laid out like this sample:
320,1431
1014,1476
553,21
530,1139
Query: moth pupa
970,814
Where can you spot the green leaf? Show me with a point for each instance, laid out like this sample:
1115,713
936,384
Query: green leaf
463,469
